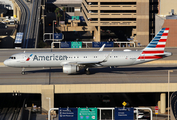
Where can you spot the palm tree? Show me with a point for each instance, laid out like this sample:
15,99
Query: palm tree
64,10
56,14
57,10
59,16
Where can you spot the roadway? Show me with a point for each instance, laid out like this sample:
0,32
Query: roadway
29,21
24,20
126,74
32,34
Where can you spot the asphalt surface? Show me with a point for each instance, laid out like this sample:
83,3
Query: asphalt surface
124,74
132,74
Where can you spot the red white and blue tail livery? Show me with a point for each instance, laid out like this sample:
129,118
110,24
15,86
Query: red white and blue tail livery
155,49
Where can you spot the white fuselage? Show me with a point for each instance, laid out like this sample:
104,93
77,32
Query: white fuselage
56,59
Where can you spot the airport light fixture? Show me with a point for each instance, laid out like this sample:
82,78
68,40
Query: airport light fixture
169,92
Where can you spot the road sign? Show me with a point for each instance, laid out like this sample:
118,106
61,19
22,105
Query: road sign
108,44
58,36
156,112
124,114
19,37
87,113
75,18
67,114
124,103
81,18
76,44
99,44
65,45
156,108
96,44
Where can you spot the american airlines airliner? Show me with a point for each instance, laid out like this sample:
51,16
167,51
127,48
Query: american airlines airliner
72,62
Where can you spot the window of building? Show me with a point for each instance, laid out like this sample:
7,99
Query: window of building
69,9
118,3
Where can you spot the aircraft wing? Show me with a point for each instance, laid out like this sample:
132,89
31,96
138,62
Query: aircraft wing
88,63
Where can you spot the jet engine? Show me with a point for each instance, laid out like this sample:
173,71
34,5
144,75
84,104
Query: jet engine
70,69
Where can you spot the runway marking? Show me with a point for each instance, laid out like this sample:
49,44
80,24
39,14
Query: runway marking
158,62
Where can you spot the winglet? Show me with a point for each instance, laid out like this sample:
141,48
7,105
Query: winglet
101,49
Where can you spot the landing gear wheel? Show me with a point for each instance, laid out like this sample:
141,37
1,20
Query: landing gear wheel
87,71
23,73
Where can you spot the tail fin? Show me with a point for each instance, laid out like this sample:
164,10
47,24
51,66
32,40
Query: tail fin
155,49
157,45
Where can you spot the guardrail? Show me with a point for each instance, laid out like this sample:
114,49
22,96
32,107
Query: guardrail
115,44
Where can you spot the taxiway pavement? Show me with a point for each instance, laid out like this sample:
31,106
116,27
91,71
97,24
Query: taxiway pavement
128,74
154,73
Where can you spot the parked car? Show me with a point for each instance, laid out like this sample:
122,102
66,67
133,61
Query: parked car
140,113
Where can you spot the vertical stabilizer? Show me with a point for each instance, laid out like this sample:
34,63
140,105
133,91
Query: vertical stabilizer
157,45
155,49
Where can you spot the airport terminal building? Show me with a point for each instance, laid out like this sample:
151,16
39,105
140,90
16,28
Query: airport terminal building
119,14
132,19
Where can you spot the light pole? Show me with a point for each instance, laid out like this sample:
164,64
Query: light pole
49,102
168,91
54,21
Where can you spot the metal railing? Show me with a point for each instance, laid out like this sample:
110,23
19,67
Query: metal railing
112,110
119,44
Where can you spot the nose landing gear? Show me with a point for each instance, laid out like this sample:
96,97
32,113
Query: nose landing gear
23,71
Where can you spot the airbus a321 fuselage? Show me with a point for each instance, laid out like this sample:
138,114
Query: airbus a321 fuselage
73,62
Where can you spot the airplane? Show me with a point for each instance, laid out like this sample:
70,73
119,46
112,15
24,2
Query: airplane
72,62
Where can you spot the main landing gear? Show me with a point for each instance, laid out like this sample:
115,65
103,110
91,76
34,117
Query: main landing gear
87,71
23,71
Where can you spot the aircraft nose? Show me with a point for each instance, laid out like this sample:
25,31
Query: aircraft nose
6,62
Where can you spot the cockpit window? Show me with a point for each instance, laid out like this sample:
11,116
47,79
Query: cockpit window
12,58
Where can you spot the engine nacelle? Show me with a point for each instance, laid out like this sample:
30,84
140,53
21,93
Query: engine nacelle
70,69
